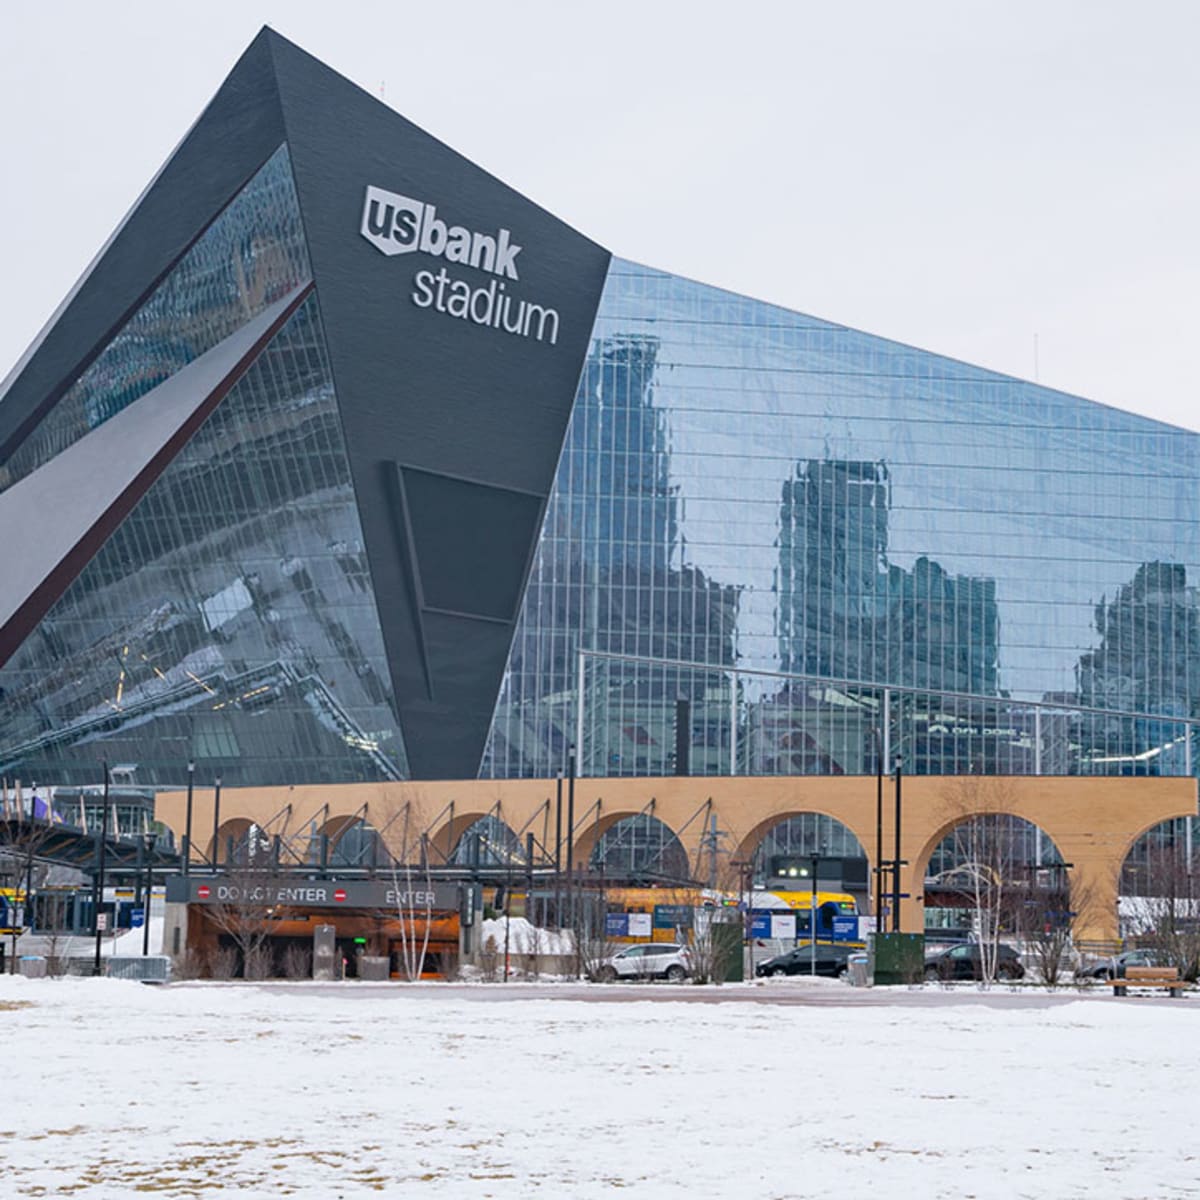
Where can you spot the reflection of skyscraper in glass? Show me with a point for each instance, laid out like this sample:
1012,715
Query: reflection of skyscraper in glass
609,575
1147,661
845,612
833,577
625,441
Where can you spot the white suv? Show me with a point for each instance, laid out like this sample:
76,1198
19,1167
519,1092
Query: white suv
650,960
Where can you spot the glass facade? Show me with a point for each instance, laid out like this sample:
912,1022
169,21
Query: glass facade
252,255
231,618
773,544
833,547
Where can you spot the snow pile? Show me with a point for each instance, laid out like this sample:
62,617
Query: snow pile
524,938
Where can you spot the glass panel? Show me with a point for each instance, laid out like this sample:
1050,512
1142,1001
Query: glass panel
773,518
230,618
250,256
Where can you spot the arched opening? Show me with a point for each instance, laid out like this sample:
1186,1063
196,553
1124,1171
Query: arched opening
488,842
788,847
355,844
640,849
242,843
995,874
1158,905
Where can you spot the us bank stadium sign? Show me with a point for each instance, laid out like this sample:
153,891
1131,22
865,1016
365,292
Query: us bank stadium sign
312,893
396,224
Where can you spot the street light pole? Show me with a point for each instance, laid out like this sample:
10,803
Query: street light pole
896,862
878,829
216,851
812,921
98,884
571,833
187,829
150,840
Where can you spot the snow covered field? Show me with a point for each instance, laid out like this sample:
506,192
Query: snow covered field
347,1090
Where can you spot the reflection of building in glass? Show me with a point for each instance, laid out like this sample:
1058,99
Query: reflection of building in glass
609,577
833,570
1147,662
848,614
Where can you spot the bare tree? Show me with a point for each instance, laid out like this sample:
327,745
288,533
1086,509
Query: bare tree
716,943
243,909
985,862
297,962
1162,903
1044,914
412,887
593,944
489,959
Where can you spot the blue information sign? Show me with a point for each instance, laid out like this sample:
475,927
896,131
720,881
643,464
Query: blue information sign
137,917
760,925
845,929
616,925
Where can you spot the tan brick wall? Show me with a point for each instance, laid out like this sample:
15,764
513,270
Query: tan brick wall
1092,821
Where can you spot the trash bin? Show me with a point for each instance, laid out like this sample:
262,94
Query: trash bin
32,966
860,970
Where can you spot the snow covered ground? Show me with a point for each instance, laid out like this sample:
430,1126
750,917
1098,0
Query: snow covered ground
348,1090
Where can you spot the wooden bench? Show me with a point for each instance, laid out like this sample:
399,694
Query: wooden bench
1150,977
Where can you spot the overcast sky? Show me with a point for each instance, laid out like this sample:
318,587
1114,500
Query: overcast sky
1015,183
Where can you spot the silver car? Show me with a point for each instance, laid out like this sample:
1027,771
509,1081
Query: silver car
650,960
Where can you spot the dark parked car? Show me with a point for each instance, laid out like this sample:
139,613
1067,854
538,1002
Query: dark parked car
832,961
963,962
1114,968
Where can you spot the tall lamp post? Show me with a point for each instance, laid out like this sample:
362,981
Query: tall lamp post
98,883
150,840
812,919
187,828
896,860
216,823
878,828
571,833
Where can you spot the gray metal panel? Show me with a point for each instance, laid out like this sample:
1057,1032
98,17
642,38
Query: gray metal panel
434,392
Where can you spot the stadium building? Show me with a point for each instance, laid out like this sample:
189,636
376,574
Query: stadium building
345,468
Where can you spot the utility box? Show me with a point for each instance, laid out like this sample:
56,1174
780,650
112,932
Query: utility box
729,945
374,968
327,965
897,957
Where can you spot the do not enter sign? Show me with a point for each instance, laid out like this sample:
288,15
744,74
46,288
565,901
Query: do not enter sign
203,891
340,895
